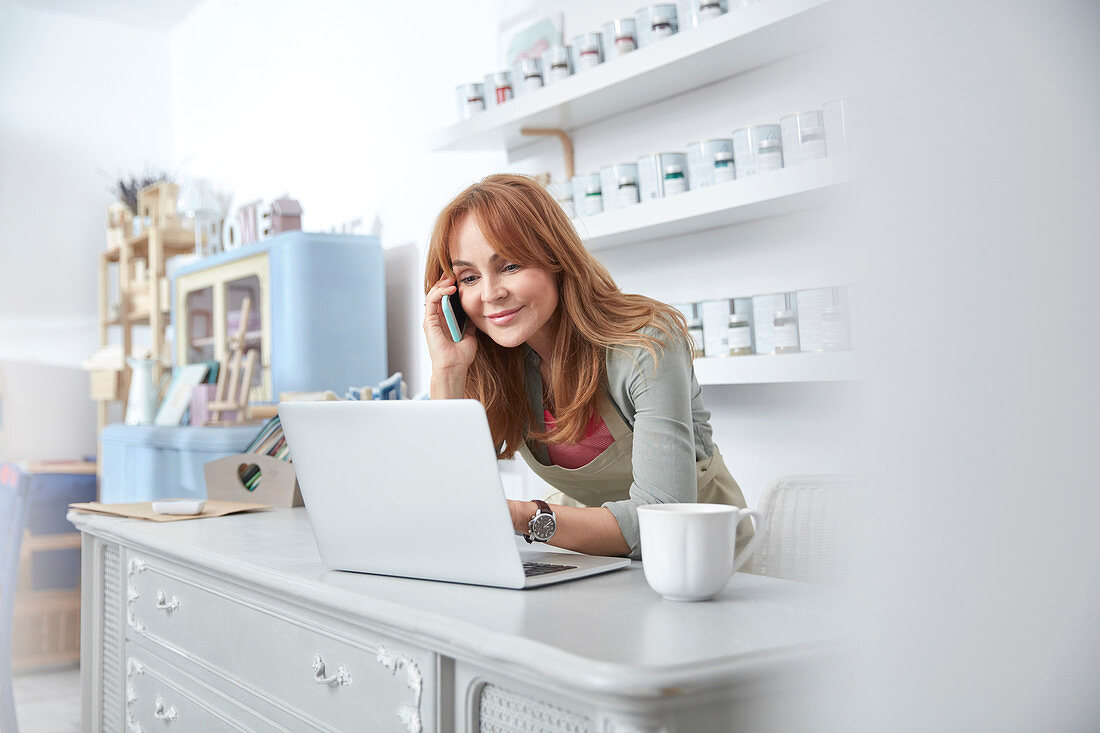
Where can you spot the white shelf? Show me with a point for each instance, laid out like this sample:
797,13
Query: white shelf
825,366
747,38
772,193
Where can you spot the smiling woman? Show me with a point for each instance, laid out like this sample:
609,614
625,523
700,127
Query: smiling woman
592,386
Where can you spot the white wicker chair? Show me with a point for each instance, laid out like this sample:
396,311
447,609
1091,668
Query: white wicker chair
808,526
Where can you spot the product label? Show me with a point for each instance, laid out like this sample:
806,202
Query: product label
647,178
723,172
769,161
675,185
812,149
593,204
835,333
739,337
763,316
811,303
628,195
624,45
588,59
532,83
786,336
557,73
715,315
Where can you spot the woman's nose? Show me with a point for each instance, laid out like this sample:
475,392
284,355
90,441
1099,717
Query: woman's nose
494,289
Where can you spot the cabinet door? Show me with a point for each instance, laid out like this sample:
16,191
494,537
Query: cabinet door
197,325
236,290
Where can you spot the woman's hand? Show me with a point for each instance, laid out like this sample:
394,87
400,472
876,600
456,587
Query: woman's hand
450,361
521,512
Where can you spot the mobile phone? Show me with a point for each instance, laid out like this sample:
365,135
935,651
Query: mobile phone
455,317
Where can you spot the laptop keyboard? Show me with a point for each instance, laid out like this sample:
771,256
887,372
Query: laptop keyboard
542,568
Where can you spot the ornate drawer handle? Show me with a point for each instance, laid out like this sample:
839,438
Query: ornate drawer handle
163,604
342,676
161,714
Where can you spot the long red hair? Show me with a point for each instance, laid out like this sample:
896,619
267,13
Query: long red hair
523,224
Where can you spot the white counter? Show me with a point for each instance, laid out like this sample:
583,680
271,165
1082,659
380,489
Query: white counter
600,653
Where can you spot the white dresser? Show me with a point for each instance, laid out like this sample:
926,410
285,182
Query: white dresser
234,624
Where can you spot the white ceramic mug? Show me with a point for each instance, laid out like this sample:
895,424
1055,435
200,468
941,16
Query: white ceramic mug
688,549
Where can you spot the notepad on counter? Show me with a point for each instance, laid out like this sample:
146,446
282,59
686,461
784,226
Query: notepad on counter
144,510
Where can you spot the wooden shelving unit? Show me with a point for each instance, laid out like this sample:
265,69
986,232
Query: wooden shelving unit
142,302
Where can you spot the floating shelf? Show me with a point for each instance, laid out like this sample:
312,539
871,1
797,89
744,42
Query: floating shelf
825,366
746,38
809,185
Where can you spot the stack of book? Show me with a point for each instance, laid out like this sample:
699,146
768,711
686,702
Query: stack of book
270,441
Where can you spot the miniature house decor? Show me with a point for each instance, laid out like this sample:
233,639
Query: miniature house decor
284,215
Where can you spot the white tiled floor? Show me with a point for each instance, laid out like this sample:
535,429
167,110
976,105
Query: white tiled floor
48,702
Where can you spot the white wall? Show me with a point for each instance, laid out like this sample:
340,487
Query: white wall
77,97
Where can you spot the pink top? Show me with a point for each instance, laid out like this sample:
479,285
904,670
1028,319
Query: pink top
596,440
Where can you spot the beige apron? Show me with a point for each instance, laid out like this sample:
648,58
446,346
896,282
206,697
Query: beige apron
608,476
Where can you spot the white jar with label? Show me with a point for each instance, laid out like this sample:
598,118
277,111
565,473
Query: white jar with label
803,137
835,332
675,181
703,10
701,156
587,51
499,87
618,38
769,155
723,166
528,76
785,332
619,184
556,65
739,336
628,191
651,173
471,100
746,148
655,22
587,194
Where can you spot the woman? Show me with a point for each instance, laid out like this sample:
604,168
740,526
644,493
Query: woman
593,387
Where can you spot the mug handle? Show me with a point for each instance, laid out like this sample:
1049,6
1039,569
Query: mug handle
757,536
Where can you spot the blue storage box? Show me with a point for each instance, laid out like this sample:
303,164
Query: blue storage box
150,462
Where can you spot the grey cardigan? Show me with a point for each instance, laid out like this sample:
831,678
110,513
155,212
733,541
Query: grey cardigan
662,403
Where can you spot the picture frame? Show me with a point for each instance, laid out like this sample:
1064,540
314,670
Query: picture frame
177,399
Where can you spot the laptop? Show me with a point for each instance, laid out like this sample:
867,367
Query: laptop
411,488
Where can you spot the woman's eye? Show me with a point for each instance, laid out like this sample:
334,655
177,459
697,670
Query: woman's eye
511,268
468,279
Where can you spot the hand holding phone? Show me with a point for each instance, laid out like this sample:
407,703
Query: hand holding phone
455,316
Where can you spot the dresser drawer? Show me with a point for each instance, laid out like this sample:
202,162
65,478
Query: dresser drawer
328,677
159,701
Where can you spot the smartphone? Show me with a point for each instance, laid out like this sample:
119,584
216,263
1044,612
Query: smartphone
455,316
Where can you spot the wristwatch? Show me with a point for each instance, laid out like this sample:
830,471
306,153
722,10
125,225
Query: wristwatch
543,525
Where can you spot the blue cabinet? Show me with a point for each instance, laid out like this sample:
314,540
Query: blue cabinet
318,311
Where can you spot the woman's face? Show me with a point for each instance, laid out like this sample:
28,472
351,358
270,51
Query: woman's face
511,303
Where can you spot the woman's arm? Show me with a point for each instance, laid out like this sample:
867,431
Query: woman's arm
591,530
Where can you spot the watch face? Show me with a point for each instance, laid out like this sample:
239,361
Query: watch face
543,526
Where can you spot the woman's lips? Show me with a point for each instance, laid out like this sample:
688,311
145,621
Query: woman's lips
499,319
